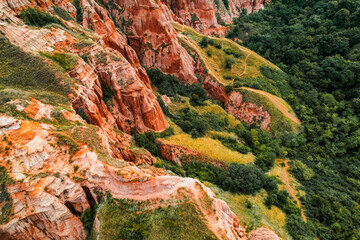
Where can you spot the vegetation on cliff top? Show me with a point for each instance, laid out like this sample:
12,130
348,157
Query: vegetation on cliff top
23,75
317,44
126,219
238,67
36,17
215,51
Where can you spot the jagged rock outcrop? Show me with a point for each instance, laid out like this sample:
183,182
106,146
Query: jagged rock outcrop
151,35
198,14
133,97
235,6
48,190
177,154
246,111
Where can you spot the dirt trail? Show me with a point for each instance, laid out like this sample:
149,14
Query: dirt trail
279,105
291,190
248,50
245,67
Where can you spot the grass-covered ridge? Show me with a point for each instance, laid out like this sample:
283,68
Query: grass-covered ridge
283,118
127,219
23,75
247,63
207,145
252,212
237,67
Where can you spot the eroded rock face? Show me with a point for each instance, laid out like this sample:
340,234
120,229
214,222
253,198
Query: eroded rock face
247,112
235,6
48,190
135,104
176,153
151,35
233,102
198,14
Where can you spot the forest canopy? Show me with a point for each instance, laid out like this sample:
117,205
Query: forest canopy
318,44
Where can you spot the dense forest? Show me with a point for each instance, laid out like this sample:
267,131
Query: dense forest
318,44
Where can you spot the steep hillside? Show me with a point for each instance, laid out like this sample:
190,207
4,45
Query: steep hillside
246,68
109,110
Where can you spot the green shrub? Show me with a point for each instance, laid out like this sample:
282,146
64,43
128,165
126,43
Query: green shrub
79,11
87,218
233,144
66,60
218,45
229,88
194,17
158,163
246,179
227,77
299,229
237,54
62,13
36,17
265,160
191,122
204,171
226,3
204,42
171,86
229,61
228,51
65,140
147,140
108,94
301,170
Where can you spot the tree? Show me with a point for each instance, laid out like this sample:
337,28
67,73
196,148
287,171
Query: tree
301,170
246,179
204,42
229,61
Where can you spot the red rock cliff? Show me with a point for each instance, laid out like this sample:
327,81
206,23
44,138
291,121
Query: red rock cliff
150,33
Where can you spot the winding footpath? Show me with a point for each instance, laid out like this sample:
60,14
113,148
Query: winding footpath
291,190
